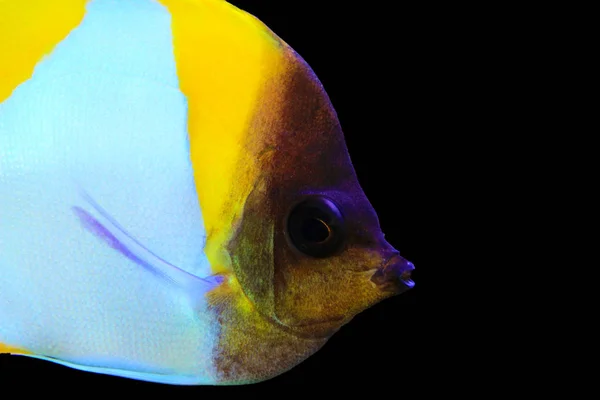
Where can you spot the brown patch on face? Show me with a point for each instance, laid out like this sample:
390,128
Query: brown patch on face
313,159
285,304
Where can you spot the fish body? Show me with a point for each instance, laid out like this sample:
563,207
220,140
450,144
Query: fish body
177,203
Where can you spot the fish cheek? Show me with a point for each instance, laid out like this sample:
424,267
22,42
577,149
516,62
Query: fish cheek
310,292
307,291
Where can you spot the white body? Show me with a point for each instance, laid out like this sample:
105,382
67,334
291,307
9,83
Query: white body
103,112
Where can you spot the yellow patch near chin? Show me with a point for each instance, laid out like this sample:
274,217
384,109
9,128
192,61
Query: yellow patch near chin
224,58
5,349
29,30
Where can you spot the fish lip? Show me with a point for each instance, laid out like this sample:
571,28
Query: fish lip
394,274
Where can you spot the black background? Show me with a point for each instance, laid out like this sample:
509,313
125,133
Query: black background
369,57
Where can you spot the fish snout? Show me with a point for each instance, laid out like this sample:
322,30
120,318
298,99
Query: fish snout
394,275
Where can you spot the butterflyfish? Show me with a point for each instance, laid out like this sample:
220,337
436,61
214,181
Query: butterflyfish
177,201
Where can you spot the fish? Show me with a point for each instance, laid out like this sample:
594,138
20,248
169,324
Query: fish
177,201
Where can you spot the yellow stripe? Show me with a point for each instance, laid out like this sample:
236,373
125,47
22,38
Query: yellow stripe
29,30
224,57
5,349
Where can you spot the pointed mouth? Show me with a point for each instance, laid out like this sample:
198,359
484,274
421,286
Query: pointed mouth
404,269
395,275
405,277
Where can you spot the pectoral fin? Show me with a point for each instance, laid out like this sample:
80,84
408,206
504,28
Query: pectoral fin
103,226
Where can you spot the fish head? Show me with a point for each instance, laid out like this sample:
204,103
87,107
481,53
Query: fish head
308,251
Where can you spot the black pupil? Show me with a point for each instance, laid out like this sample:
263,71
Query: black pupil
316,227
314,230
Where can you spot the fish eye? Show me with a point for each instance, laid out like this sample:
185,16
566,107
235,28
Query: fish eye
316,227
